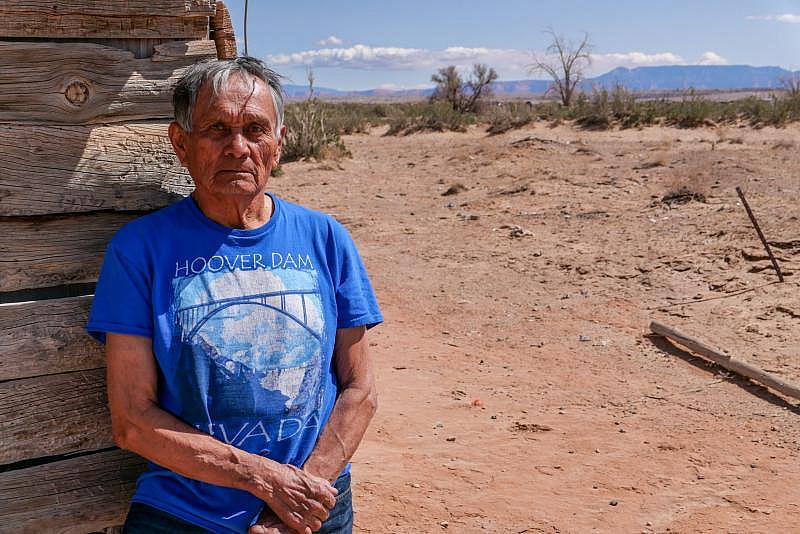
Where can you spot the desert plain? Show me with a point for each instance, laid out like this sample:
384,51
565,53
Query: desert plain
520,390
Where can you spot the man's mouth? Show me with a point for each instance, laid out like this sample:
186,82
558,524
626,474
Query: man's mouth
236,171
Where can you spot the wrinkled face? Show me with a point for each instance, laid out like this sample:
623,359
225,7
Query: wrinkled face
232,146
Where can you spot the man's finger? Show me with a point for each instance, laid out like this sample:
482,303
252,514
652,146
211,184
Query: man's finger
329,501
316,510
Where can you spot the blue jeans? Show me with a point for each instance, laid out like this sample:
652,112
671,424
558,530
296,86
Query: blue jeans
145,519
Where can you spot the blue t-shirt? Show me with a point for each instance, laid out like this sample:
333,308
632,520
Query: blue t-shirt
243,324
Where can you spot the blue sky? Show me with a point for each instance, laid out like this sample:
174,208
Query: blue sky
353,44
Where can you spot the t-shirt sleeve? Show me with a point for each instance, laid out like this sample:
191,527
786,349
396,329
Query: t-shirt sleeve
355,300
122,301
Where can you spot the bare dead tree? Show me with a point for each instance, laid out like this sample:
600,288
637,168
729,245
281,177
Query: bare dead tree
565,63
463,96
479,85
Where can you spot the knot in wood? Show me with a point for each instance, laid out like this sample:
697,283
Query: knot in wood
77,92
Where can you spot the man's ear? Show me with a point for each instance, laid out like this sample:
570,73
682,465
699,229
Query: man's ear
277,158
177,137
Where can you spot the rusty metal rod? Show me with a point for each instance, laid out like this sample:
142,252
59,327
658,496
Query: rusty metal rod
760,233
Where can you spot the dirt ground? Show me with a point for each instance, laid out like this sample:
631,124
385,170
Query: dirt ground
519,389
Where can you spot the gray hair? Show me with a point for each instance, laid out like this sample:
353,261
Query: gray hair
218,72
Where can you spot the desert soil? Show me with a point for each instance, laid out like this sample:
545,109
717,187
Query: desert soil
519,389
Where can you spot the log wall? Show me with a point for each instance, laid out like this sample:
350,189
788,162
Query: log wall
85,101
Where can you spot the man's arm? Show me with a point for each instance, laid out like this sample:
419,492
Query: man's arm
300,499
354,408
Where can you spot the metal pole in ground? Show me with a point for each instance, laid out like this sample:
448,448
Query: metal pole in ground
760,233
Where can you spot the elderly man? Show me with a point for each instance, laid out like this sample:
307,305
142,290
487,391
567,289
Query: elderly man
235,329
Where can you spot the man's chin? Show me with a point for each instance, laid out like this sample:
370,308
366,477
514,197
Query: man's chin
244,185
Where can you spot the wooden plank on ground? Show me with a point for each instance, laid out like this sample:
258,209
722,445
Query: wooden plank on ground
93,19
46,337
74,496
52,251
58,169
80,83
54,414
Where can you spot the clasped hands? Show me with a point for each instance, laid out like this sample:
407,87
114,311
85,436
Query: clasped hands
298,503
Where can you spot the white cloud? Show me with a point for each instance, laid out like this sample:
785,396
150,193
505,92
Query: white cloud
602,63
639,59
363,57
330,41
788,17
791,19
712,58
359,57
509,63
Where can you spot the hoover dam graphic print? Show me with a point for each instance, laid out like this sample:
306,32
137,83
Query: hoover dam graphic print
251,349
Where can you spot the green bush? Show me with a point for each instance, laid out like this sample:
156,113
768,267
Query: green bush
309,135
428,117
690,112
348,118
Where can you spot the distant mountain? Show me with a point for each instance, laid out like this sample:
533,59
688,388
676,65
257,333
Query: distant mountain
693,76
667,78
295,92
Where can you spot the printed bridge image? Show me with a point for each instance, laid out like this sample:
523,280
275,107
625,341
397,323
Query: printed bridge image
254,354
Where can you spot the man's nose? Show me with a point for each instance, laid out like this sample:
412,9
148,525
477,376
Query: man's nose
237,146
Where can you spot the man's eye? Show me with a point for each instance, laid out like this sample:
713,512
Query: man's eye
218,127
257,129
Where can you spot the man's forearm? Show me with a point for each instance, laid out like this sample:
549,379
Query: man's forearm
301,501
343,432
169,442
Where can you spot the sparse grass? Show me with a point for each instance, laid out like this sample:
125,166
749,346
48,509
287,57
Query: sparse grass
428,117
660,157
509,116
313,124
724,135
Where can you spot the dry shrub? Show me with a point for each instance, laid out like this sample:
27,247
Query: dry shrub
308,135
334,152
685,188
660,158
454,189
724,135
784,144
508,116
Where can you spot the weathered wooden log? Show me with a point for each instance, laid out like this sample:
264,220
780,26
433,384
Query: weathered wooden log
93,19
54,414
57,169
113,8
57,250
46,337
75,496
224,36
723,360
80,83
